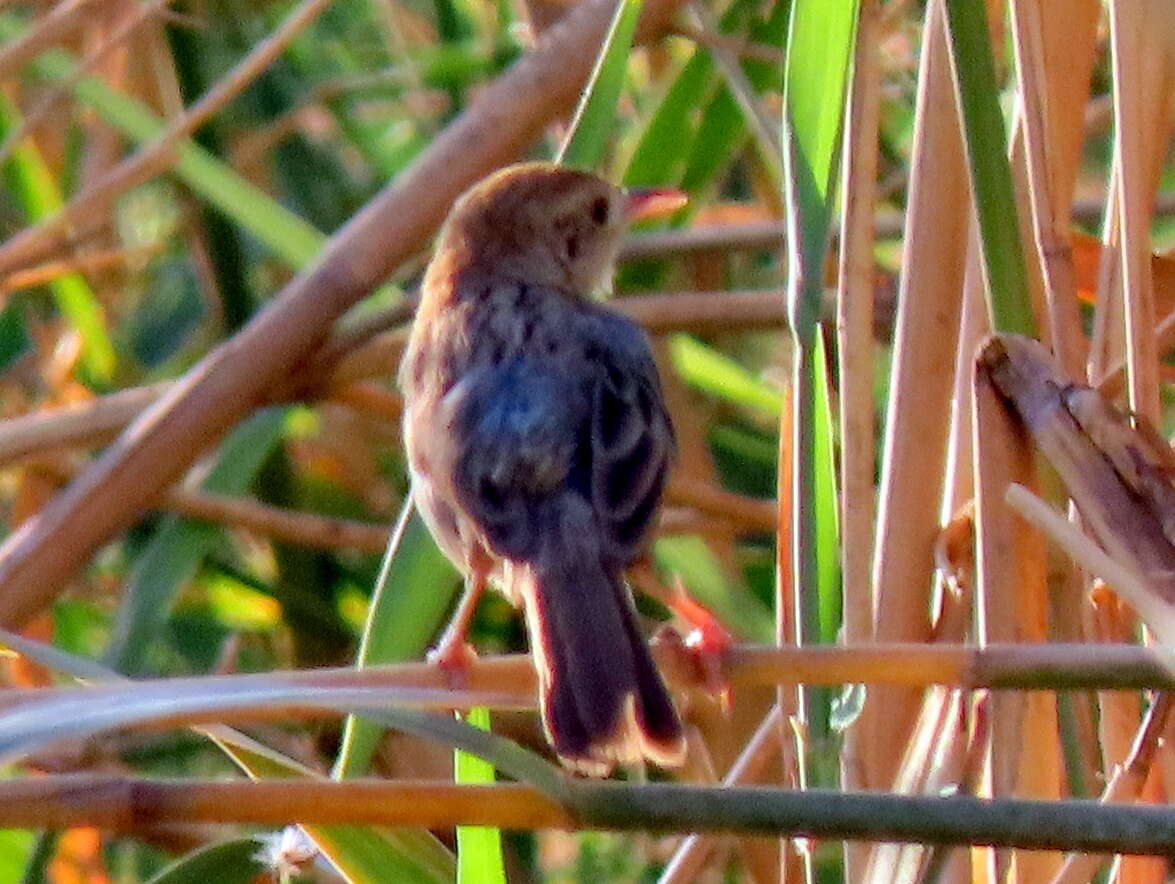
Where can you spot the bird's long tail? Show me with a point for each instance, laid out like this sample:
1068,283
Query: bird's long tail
603,701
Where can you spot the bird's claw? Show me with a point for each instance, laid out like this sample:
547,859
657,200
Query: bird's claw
454,659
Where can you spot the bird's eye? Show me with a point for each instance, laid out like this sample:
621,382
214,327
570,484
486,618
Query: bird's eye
600,211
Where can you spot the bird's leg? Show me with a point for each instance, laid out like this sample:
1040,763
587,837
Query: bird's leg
707,639
453,654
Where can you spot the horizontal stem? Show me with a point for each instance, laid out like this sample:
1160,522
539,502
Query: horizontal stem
511,677
769,235
124,803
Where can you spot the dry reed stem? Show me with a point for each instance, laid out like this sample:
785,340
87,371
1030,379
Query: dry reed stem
117,803
1117,723
327,532
86,423
510,678
974,326
1145,598
126,803
932,763
920,388
355,353
1107,343
1111,381
43,274
738,509
769,236
855,327
156,449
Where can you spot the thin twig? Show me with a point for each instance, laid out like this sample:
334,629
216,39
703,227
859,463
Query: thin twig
45,273
766,236
359,351
64,18
1124,786
40,242
770,148
738,509
140,13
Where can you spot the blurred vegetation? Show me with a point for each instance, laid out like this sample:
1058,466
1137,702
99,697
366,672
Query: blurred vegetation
185,258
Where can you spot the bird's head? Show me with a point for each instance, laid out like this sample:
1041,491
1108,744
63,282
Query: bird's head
546,225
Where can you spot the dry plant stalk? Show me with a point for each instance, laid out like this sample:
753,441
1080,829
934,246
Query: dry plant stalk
510,678
354,354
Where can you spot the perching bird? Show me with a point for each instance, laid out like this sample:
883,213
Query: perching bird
538,445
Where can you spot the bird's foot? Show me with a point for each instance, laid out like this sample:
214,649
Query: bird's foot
454,658
705,644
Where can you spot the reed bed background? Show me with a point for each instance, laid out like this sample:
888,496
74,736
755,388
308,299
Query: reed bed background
214,216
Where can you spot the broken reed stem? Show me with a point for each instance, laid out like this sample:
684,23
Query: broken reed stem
128,803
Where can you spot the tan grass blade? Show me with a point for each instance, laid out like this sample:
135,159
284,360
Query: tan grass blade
1053,65
855,350
1142,35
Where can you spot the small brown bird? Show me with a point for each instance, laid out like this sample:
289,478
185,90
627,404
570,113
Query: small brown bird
538,445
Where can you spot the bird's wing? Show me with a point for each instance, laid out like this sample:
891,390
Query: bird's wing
632,441
514,429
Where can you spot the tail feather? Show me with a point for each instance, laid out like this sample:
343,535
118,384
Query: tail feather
602,699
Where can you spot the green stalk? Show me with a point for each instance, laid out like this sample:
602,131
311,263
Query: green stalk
818,60
595,118
1004,268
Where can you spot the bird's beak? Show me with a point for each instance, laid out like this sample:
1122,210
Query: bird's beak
652,202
